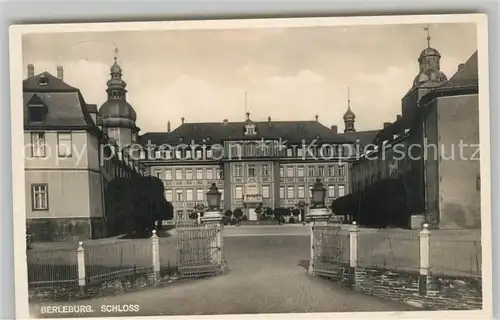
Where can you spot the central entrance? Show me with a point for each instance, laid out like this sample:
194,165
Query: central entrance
252,215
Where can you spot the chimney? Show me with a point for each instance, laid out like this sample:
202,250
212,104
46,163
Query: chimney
182,120
460,66
335,129
398,117
60,73
168,126
269,120
386,124
31,70
316,116
225,121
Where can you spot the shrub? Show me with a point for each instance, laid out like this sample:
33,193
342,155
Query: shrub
291,220
234,221
268,211
228,213
244,218
238,213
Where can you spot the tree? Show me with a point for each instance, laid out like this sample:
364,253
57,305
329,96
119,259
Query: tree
133,205
238,213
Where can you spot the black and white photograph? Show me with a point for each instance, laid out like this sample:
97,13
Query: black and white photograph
315,167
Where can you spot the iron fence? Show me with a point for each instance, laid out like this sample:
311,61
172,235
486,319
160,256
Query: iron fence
112,260
394,250
455,253
47,268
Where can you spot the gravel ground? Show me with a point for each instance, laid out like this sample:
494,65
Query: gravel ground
267,274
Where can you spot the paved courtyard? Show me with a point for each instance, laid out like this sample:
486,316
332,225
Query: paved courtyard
267,274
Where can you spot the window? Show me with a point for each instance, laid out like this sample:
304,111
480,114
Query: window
311,171
251,170
282,192
178,154
210,174
38,144
289,192
178,195
265,150
39,194
341,190
289,152
36,113
331,191
300,152
221,195
251,150
265,192
209,153
189,174
265,170
64,146
158,174
178,174
282,172
168,174
189,195
188,154
199,154
169,195
200,195
237,170
289,171
179,214
113,133
220,174
321,171
331,171
301,192
236,151
238,192
199,174
341,171
300,171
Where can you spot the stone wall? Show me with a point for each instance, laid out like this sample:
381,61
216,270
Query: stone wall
100,289
443,293
71,229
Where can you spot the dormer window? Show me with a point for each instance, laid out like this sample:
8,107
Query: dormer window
43,81
36,109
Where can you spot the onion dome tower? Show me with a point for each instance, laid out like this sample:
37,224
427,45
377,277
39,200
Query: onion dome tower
430,74
349,116
117,115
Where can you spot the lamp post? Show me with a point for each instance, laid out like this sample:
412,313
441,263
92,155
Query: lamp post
318,210
214,213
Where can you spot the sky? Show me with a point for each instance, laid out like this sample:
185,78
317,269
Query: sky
287,73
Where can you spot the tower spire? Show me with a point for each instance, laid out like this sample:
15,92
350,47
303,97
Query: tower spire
115,52
246,105
428,37
348,98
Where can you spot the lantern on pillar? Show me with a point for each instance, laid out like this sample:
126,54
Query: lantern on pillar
318,194
213,198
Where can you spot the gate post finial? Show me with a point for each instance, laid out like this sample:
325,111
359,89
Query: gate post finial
155,250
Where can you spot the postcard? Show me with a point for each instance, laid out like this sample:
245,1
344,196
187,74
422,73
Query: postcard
264,168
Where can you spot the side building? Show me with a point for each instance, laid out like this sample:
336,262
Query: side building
68,161
415,172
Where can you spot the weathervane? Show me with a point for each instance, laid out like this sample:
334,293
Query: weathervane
428,36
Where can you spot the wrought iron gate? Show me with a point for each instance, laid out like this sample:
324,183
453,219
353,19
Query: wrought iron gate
199,250
330,250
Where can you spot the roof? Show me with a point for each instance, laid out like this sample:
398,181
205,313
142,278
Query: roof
64,104
289,131
466,76
464,81
45,82
365,137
